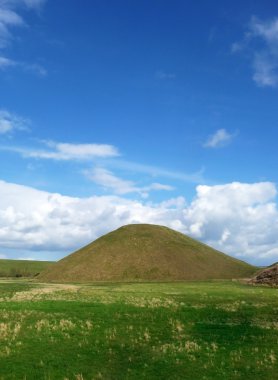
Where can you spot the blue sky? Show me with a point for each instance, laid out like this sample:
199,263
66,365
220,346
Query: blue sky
155,111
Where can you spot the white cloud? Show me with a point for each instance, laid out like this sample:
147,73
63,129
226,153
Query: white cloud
34,4
239,219
178,203
10,122
268,30
6,63
86,150
155,171
261,41
83,152
265,71
22,3
219,139
26,258
237,47
2,256
109,181
67,152
164,76
34,68
10,19
59,222
266,59
159,186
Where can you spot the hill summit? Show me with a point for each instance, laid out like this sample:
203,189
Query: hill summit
146,252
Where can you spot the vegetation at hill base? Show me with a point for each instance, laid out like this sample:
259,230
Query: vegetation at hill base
144,252
267,276
210,330
22,268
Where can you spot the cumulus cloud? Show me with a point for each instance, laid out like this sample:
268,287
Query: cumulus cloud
109,181
59,222
261,41
219,139
239,219
10,122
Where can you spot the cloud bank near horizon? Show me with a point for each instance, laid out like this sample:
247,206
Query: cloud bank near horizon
239,219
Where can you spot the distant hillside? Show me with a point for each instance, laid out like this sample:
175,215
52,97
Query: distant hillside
143,252
22,268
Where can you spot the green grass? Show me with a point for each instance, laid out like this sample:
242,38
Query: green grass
207,330
22,268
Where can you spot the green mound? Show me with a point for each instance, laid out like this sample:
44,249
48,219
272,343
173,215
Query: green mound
143,252
22,268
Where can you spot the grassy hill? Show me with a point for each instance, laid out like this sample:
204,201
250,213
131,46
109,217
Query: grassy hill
22,268
143,252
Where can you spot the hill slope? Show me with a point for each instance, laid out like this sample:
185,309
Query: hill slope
145,252
22,268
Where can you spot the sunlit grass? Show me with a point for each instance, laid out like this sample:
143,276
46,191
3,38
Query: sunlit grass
210,330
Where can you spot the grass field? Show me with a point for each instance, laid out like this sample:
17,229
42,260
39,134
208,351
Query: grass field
22,268
206,330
